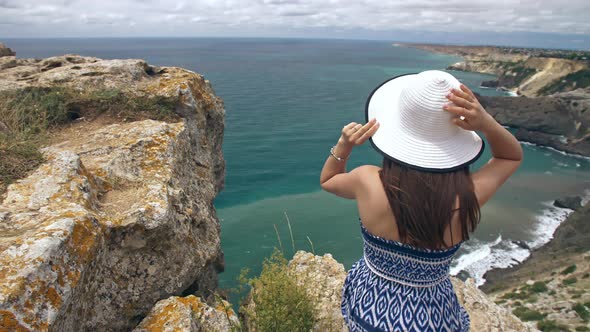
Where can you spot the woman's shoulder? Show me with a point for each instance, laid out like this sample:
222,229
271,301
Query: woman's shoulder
368,169
368,174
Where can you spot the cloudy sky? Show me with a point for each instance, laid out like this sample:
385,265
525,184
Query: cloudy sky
468,21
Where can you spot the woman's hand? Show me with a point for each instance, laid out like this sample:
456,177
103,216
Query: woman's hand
354,134
467,106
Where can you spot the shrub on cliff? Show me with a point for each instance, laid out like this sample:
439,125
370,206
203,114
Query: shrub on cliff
277,302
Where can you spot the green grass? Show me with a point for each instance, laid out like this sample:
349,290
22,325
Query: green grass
547,325
569,269
582,311
515,296
526,314
28,114
521,73
569,281
579,79
582,328
539,287
281,304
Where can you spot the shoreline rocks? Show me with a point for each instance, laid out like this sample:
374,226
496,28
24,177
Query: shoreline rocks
569,202
571,239
561,121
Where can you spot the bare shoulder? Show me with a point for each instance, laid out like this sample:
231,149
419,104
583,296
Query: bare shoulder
367,169
366,173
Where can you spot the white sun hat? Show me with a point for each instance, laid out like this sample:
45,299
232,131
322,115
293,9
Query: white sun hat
414,129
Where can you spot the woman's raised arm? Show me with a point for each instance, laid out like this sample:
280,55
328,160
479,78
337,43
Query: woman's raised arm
506,150
334,177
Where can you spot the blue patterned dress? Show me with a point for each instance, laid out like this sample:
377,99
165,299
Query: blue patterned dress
398,287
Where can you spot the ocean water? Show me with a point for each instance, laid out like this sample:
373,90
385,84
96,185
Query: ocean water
286,102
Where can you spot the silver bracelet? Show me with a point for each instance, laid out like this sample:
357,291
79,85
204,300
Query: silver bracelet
335,156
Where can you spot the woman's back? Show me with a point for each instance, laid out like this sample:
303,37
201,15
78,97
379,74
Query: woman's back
418,208
398,287
377,216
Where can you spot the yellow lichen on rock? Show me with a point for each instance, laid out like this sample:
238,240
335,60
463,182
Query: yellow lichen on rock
189,314
120,215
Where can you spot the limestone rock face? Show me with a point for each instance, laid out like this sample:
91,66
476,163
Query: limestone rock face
485,315
325,277
561,121
189,314
119,216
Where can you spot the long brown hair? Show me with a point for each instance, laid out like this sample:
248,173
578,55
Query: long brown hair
423,203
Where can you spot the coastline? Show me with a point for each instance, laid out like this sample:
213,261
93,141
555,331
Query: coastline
558,120
556,123
569,240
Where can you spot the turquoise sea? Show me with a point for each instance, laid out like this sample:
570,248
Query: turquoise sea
286,102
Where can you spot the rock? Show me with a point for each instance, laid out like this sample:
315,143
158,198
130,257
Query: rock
119,216
490,84
568,245
190,314
485,315
569,202
325,278
5,51
463,275
81,72
521,244
561,121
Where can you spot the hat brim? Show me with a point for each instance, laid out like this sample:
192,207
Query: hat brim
394,142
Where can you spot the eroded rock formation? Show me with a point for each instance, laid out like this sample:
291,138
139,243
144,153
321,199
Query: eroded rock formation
120,215
190,314
561,121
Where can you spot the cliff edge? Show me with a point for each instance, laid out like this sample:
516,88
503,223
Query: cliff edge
119,214
322,277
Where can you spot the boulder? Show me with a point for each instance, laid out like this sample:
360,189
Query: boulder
486,315
120,215
190,314
490,84
324,278
569,202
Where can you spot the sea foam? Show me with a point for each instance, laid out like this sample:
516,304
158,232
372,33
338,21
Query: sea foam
479,257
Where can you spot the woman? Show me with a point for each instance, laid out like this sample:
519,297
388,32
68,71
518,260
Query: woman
419,207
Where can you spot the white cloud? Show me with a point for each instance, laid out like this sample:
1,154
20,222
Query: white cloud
49,17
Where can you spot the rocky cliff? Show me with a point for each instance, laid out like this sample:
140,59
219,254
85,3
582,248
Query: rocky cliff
552,284
530,72
120,214
560,121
